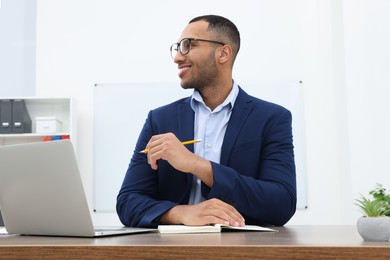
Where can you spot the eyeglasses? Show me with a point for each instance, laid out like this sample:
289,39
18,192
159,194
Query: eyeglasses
184,46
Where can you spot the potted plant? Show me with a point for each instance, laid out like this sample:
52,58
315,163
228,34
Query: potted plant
374,225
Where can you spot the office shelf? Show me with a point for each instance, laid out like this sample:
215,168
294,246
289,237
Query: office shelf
63,109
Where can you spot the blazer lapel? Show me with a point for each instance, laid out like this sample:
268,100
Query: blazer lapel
186,123
239,115
184,133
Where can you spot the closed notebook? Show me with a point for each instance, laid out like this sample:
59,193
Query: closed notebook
217,228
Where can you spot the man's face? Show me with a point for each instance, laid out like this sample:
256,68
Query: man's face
197,69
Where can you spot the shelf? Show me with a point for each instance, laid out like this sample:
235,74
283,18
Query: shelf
33,135
59,107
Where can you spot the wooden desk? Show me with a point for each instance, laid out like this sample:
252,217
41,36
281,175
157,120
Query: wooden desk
290,242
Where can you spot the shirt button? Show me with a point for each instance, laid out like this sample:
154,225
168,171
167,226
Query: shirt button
209,145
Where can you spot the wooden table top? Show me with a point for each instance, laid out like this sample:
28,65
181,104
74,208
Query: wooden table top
288,242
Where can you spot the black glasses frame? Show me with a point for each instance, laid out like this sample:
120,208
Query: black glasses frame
176,46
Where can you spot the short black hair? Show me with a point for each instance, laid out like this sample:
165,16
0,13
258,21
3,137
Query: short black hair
225,28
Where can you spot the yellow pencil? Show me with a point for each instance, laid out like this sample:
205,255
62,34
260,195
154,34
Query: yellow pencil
184,143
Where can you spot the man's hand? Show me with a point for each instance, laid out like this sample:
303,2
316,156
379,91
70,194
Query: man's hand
168,147
213,211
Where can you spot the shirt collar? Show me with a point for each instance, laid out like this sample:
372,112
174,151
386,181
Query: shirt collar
196,98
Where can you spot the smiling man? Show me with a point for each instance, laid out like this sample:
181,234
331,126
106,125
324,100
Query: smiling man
243,171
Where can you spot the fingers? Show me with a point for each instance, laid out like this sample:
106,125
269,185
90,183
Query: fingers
168,147
213,211
224,212
153,156
155,148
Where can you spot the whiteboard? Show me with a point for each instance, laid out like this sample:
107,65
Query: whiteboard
120,111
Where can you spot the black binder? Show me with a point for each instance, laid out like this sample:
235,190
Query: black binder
5,116
1,220
21,121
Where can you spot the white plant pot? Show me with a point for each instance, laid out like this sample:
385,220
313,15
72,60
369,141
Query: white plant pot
374,228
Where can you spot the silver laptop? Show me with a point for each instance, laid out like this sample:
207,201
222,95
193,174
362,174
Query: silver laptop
41,192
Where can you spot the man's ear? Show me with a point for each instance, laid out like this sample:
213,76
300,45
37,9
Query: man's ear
225,54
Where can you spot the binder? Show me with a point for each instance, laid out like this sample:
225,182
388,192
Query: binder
1,220
5,116
21,121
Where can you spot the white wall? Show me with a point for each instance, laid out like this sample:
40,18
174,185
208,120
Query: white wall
17,47
338,48
367,56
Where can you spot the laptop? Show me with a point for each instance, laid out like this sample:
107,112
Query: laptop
41,192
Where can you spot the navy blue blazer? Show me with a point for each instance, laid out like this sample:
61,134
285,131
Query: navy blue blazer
256,173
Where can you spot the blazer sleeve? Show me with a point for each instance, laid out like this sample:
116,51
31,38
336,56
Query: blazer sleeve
259,179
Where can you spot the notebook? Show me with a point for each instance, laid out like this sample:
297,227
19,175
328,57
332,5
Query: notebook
217,228
41,192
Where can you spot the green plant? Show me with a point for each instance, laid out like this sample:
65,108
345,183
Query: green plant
378,206
379,194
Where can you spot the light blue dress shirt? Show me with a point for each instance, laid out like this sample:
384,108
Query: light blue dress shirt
210,126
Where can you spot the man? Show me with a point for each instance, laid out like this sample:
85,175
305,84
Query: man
242,172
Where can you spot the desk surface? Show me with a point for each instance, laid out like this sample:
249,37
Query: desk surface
289,242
